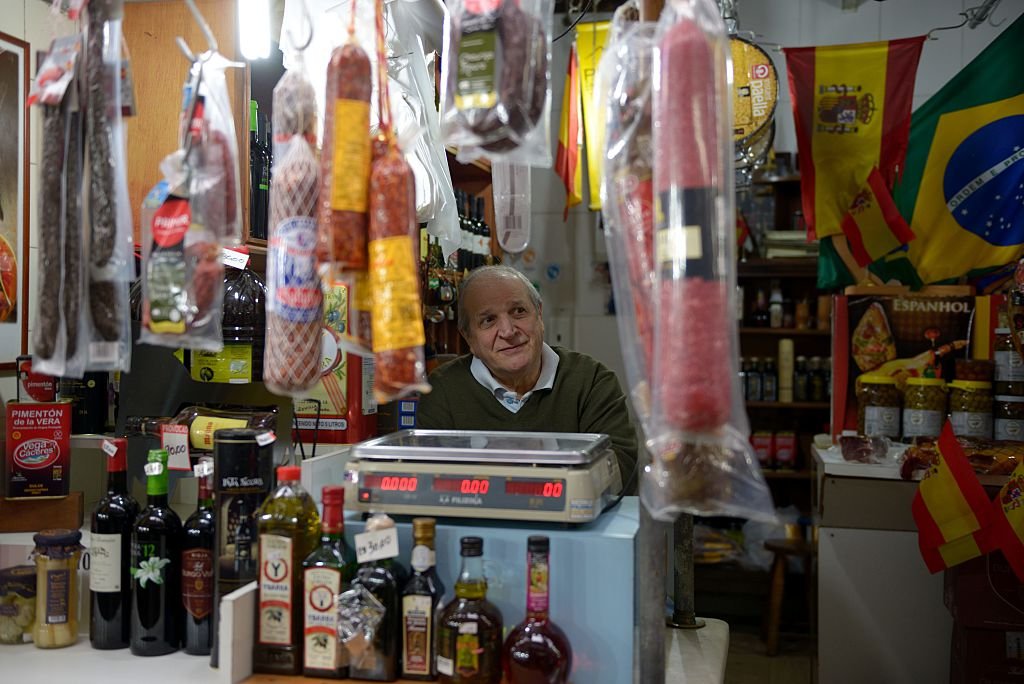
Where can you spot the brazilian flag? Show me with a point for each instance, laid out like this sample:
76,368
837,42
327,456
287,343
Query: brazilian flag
962,189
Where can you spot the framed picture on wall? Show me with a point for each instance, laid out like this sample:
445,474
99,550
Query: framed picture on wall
14,199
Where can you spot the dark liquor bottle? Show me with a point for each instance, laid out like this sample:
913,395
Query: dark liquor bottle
420,597
155,570
289,528
110,584
327,572
536,650
469,629
197,566
485,232
384,579
259,174
466,251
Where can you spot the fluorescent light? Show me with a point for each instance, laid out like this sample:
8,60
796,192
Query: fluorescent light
254,28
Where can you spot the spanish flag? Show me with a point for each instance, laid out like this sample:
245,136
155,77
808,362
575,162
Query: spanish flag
873,225
963,184
569,159
591,38
1008,521
851,104
950,505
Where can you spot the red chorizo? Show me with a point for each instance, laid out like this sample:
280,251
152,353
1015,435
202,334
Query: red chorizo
345,159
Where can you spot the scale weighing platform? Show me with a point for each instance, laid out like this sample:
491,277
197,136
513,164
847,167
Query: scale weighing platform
532,476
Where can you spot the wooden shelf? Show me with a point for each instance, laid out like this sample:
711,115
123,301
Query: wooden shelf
787,474
820,405
795,267
785,332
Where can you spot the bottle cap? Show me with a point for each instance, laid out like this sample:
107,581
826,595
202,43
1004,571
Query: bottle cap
472,546
289,473
332,494
538,544
423,527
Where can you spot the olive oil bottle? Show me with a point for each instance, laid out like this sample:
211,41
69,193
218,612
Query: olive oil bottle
288,526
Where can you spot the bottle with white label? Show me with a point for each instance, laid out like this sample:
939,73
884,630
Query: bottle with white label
326,572
110,587
420,597
288,526
469,635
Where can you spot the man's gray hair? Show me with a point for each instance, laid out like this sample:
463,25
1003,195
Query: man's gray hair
485,273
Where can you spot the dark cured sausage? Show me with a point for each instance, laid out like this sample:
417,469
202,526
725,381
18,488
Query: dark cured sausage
72,286
50,249
396,315
345,160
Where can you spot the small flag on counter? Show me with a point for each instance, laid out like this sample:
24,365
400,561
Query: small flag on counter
569,158
1008,521
873,225
950,508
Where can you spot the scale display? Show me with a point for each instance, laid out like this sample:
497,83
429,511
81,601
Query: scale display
518,493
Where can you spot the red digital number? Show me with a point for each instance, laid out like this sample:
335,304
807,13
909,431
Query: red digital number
474,486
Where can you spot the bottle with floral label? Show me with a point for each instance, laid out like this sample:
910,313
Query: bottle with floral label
197,566
420,597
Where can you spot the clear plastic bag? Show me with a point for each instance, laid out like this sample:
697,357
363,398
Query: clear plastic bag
111,259
512,212
496,80
294,296
703,463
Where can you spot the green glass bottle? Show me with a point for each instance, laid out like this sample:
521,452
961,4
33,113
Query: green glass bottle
289,529
326,572
470,627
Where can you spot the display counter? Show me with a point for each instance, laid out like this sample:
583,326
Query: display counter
880,612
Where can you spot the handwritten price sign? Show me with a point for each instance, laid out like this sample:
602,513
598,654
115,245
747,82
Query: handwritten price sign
174,439
377,545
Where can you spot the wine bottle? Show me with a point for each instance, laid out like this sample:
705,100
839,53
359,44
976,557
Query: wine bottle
485,232
288,527
202,422
155,569
110,586
384,579
537,650
197,566
326,572
469,629
420,597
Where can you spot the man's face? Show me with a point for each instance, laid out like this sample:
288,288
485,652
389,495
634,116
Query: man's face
504,330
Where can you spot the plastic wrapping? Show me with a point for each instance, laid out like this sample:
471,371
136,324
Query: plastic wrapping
496,80
59,341
111,258
691,410
294,296
512,211
194,212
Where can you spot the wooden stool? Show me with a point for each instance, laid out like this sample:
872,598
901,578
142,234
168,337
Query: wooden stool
783,549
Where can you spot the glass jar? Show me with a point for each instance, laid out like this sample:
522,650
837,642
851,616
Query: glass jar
970,408
979,370
17,604
57,552
924,408
878,406
1008,412
1009,365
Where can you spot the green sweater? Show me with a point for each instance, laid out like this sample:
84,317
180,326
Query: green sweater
586,397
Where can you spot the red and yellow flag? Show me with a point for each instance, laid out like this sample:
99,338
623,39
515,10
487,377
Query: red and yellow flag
851,104
873,225
950,504
1008,521
569,159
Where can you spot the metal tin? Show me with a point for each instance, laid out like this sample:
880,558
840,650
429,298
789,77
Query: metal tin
536,448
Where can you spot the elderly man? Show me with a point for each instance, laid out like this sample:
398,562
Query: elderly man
512,380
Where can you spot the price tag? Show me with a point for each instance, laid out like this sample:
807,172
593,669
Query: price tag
265,438
203,468
376,545
174,440
109,448
234,258
153,468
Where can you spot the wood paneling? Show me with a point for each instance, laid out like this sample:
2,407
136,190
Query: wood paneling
159,69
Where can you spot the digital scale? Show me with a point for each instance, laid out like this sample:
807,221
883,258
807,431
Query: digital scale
534,476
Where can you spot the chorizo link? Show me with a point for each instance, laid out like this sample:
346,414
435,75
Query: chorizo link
101,163
345,160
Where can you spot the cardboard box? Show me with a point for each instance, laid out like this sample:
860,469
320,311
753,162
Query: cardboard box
984,593
903,335
785,449
764,445
38,461
986,656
